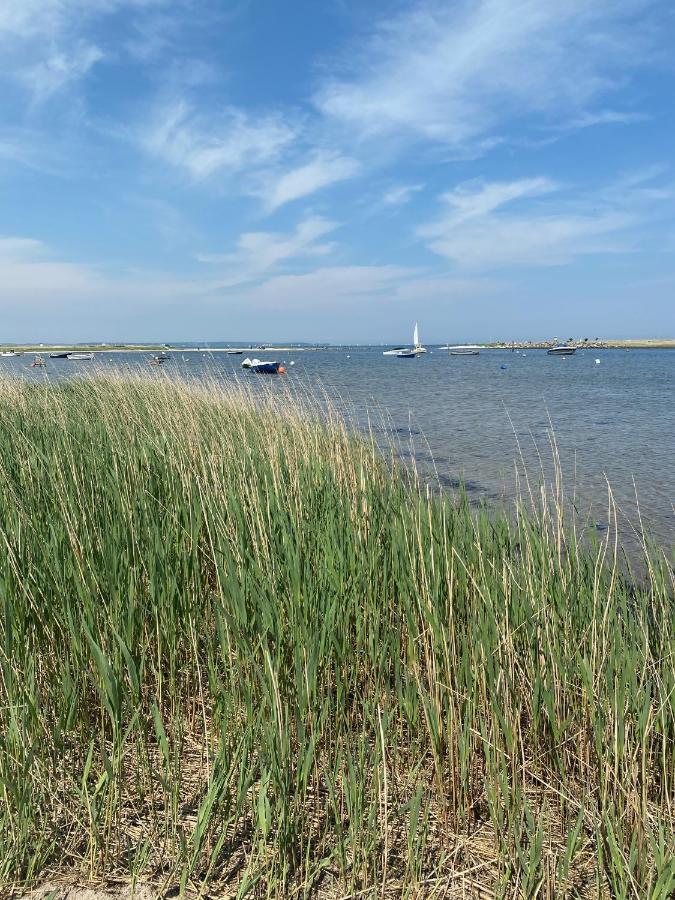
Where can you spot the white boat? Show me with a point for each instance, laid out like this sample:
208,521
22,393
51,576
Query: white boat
417,347
462,349
407,352
80,356
10,353
562,350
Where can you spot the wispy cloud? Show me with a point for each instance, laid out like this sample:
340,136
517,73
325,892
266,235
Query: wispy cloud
400,194
457,73
258,252
321,171
59,69
329,286
201,144
45,46
533,222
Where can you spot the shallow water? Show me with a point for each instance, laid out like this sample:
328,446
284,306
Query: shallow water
462,418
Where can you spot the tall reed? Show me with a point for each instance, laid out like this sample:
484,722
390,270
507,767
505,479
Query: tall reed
241,653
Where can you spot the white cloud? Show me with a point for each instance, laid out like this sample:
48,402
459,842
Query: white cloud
44,44
229,141
328,286
60,69
258,252
397,196
458,72
33,278
320,172
529,222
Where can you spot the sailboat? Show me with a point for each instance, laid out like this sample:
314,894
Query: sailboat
417,347
407,352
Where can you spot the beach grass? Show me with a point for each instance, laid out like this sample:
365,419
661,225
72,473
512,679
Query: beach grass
243,654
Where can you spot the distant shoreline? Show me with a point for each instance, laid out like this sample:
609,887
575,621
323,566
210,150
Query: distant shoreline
624,344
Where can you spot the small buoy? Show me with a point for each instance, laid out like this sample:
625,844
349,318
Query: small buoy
348,356
503,366
524,354
292,362
597,362
281,370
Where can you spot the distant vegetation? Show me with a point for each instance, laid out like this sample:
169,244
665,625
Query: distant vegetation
240,652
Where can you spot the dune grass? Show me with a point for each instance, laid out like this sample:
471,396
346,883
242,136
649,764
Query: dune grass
240,654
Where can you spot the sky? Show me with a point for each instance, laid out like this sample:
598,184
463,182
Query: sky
334,170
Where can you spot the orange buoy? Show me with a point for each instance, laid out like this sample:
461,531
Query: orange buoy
282,370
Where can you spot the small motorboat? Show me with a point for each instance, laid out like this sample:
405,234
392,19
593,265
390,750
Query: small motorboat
161,357
10,353
463,349
393,352
232,351
561,350
263,367
38,362
78,356
407,354
157,361
59,354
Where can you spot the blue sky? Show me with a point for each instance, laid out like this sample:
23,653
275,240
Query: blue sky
333,170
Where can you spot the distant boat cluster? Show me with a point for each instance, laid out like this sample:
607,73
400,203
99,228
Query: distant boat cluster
408,352
417,349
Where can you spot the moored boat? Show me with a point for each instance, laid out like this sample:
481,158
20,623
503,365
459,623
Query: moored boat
462,349
38,362
561,350
59,354
417,347
408,352
79,356
263,367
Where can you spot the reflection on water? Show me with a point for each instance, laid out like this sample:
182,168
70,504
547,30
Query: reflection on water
467,420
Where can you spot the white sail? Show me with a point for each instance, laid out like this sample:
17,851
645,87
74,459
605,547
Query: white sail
416,337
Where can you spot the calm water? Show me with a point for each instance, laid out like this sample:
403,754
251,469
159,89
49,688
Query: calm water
613,422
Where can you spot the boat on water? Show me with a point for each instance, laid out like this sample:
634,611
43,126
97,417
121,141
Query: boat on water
77,356
462,349
263,367
59,354
408,352
232,351
161,357
561,350
417,347
38,362
11,353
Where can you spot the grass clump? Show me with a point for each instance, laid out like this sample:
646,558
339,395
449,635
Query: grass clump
239,654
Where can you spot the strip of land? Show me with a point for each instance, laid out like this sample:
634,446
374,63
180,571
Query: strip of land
630,343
